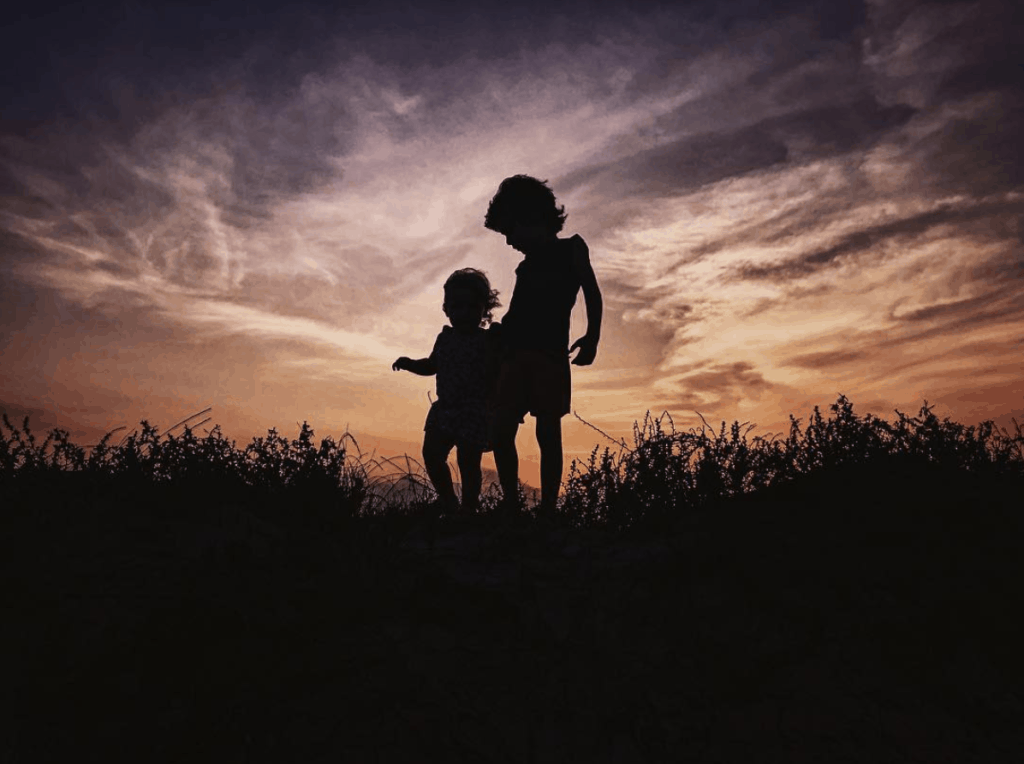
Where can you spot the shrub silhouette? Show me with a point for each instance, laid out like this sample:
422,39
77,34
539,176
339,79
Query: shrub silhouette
163,468
648,484
666,472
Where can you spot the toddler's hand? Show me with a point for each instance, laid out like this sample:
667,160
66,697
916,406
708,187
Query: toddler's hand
401,364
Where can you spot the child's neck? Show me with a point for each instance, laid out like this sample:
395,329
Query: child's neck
539,246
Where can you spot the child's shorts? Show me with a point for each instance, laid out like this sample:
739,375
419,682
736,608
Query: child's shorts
535,382
466,424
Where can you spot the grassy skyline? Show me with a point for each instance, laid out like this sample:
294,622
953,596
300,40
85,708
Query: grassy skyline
658,478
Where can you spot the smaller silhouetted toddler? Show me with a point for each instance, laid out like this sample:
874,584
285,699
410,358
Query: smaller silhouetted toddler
463,359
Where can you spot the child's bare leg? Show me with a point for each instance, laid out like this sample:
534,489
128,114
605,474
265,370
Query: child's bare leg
436,448
472,477
506,458
549,438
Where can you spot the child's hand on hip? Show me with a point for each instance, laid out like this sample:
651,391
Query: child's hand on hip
588,351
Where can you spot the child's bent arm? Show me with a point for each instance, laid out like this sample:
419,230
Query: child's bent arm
591,291
425,367
587,344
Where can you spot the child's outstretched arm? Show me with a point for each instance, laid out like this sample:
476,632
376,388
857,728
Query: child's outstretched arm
425,367
587,344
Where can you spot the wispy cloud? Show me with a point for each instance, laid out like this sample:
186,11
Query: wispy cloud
779,205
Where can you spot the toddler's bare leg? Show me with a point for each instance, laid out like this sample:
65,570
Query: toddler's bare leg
549,438
506,458
436,448
472,477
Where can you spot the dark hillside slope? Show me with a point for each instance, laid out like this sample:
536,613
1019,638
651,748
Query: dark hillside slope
862,614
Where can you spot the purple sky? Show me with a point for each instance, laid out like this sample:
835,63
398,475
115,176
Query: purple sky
254,209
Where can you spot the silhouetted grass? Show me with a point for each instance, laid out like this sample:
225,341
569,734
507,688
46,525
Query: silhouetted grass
650,483
242,634
665,472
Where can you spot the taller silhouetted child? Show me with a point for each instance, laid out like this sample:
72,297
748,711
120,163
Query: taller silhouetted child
533,375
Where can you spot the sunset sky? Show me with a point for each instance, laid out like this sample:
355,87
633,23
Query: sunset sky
253,207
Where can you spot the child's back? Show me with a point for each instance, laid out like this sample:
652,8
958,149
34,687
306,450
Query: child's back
547,284
461,359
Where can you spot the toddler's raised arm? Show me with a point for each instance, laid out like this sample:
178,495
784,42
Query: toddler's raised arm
425,367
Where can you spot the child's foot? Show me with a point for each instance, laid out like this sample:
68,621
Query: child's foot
545,515
444,506
545,509
509,508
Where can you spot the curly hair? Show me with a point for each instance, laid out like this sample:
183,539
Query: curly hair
471,278
524,199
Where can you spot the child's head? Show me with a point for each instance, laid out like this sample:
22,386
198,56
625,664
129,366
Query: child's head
469,301
523,201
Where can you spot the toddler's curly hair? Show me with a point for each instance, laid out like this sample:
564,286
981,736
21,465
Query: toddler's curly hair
477,281
524,199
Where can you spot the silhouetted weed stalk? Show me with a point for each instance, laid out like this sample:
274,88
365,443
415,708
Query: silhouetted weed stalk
662,474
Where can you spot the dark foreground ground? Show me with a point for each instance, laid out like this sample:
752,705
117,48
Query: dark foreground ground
860,618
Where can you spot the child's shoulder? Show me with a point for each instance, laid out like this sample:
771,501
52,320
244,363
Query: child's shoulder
577,247
574,242
444,336
450,335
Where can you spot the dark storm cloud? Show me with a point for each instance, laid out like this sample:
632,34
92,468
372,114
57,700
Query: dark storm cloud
691,163
684,165
994,220
966,62
832,130
826,360
715,388
980,154
910,328
723,377
980,50
996,306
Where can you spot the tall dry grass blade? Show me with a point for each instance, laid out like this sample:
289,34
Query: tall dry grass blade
179,424
705,421
620,442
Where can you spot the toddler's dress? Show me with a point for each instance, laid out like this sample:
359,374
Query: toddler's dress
461,409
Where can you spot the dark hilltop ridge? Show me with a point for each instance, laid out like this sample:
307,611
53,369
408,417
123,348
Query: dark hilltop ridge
849,594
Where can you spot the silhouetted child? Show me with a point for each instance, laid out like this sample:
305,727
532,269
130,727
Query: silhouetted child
463,359
534,374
